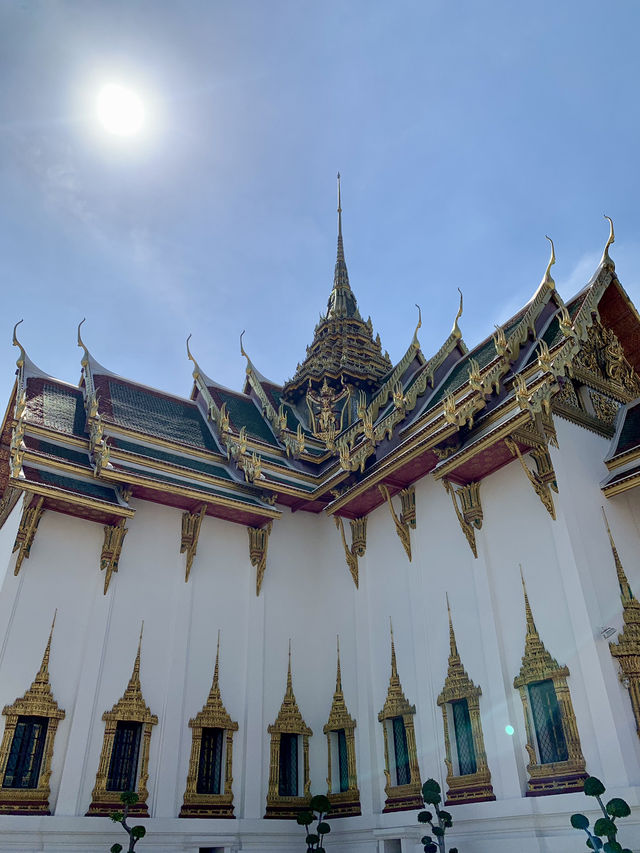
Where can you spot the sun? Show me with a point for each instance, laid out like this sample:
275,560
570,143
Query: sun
120,110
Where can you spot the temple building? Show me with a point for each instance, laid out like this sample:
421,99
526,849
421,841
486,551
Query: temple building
370,575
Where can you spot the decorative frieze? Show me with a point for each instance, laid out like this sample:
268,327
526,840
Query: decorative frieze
37,702
31,514
191,523
358,543
258,544
405,521
556,764
111,549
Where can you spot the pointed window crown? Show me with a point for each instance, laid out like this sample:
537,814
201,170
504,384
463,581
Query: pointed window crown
343,350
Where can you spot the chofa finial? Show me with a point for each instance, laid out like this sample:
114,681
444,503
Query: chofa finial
456,329
196,366
16,343
242,350
416,342
605,255
547,281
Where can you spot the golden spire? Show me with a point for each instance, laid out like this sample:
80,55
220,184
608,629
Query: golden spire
394,664
43,673
547,281
16,343
625,590
340,246
456,329
338,670
214,693
605,255
289,679
453,646
134,681
531,625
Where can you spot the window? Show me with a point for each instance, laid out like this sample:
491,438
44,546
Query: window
464,737
288,785
210,766
123,767
547,722
400,751
25,755
343,763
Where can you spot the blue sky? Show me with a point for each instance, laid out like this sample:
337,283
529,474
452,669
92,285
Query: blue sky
464,133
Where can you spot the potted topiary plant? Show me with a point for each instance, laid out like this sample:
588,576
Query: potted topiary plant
432,797
135,833
604,827
317,811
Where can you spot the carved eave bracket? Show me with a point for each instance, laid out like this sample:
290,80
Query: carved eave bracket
358,545
191,523
407,517
111,549
469,513
544,480
31,515
258,544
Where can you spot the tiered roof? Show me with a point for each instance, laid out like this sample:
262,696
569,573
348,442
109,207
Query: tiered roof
346,423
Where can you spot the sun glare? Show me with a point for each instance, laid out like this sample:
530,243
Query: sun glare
120,110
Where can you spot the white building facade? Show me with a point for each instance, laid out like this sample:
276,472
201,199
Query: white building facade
105,483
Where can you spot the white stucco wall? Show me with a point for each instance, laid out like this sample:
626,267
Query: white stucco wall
308,596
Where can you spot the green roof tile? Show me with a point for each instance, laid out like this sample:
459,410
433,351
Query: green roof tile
63,409
70,484
245,413
173,459
154,414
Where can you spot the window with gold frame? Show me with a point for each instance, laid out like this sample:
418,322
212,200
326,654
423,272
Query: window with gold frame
402,773
130,708
26,751
281,801
342,780
208,793
556,764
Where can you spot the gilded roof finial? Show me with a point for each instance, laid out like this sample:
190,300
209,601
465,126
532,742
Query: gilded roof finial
81,343
16,343
547,281
338,669
394,665
43,672
625,590
244,353
456,329
453,646
531,625
196,366
416,342
605,255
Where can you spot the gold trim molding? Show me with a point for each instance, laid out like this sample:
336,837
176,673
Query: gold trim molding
358,543
258,544
131,707
558,777
213,715
470,787
38,701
